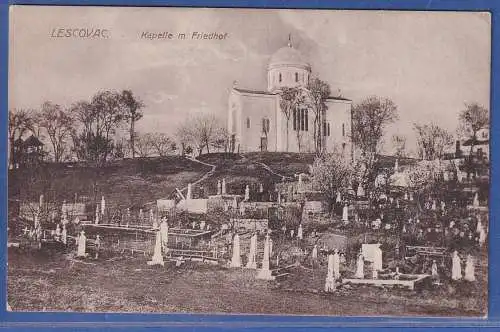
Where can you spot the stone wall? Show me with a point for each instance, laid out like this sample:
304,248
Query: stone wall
199,206
259,225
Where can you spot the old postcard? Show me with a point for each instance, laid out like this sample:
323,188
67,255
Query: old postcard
255,161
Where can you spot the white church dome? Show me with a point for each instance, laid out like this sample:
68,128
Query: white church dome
288,56
287,68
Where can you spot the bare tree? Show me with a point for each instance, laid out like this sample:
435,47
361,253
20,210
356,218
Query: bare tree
472,119
432,141
58,124
97,123
20,121
183,135
162,144
369,121
319,91
84,115
290,99
221,140
200,131
399,145
144,145
330,174
132,113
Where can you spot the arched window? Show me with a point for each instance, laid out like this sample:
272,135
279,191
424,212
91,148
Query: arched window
302,118
265,125
296,77
328,129
248,122
279,77
306,120
294,119
343,130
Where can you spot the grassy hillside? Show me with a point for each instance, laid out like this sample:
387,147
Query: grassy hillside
238,172
285,163
123,183
132,183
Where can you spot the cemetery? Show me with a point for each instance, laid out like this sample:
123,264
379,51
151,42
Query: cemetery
274,240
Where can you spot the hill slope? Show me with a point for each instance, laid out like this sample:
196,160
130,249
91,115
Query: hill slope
133,183
129,183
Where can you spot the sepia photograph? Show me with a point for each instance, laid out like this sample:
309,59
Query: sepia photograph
248,161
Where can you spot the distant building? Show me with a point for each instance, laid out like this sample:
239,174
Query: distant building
257,123
27,152
480,146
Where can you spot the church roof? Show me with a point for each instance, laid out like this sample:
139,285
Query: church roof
338,98
258,92
288,55
32,141
261,92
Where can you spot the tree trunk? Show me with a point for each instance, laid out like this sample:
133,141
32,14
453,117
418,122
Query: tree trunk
315,134
286,135
12,157
132,136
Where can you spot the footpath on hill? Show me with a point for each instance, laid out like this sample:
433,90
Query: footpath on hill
219,166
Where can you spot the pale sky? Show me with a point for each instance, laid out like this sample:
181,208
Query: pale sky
428,63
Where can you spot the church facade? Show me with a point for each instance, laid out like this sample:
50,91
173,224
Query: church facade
257,123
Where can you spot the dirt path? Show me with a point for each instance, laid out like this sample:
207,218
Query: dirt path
267,168
206,175
203,178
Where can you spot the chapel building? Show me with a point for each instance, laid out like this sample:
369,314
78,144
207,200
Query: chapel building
256,122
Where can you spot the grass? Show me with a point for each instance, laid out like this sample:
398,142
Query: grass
130,183
51,281
238,171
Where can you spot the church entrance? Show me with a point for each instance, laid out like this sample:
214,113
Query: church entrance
263,144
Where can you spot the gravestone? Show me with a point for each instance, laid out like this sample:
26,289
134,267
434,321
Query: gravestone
434,269
300,232
252,264
224,189
314,253
361,191
456,267
64,235
103,205
265,272
157,258
475,202
97,214
345,214
469,269
82,243
336,265
330,281
360,267
247,193
164,235
97,245
236,258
